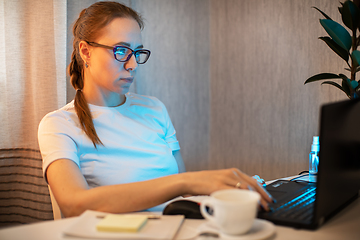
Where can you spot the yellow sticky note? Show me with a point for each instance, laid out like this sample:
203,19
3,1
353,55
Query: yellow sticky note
121,223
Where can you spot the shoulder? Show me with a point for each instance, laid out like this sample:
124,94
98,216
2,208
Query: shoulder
63,115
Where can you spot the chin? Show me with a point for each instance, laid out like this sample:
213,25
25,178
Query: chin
124,91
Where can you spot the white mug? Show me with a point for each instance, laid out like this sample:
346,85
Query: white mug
234,210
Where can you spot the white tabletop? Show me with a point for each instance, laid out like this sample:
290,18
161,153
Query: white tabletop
345,226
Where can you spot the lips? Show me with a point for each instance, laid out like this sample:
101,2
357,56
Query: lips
129,79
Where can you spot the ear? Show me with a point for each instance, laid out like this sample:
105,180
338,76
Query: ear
84,50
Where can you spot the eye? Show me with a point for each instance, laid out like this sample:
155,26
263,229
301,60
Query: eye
121,51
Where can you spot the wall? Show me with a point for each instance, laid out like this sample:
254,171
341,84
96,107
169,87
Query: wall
177,73
231,74
262,116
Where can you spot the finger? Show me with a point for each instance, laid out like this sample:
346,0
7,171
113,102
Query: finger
239,181
263,203
267,195
254,184
259,180
264,194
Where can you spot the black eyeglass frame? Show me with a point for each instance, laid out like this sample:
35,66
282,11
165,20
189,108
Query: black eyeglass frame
147,52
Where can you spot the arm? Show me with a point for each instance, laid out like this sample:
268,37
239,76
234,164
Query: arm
74,196
180,161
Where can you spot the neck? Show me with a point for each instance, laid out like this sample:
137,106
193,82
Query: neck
108,99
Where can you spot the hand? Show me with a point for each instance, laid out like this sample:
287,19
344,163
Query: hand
260,180
253,184
207,182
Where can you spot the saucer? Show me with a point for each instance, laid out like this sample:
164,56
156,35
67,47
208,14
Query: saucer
261,229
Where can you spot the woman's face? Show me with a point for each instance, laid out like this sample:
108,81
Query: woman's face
105,75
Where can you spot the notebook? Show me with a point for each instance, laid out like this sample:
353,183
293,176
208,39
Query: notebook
338,178
156,228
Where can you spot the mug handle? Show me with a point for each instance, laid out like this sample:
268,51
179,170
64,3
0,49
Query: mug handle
206,203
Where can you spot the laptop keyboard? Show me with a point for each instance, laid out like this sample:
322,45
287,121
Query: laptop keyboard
299,208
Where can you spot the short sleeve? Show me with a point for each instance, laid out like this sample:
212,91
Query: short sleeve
55,141
170,136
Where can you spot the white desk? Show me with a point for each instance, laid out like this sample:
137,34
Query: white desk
344,226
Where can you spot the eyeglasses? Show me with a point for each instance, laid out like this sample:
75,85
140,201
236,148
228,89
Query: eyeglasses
123,53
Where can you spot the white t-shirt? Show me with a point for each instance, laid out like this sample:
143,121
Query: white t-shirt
138,139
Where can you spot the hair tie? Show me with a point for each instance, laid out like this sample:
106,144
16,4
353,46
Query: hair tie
78,89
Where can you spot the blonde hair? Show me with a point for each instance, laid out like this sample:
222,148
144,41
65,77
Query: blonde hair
87,28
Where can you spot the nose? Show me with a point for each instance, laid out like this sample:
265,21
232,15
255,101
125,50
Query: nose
131,64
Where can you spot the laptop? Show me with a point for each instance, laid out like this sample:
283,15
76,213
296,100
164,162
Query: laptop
302,204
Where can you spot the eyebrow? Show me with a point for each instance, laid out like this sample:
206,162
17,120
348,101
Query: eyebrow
128,44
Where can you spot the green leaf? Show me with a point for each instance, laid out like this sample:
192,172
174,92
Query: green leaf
324,14
352,84
338,86
322,76
337,32
350,15
345,87
344,77
333,84
355,56
336,48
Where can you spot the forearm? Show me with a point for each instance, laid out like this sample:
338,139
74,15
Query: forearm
74,196
124,197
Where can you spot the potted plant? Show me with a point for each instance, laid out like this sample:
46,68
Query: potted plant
345,45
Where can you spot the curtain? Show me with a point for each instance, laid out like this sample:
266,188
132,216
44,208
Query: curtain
32,83
32,73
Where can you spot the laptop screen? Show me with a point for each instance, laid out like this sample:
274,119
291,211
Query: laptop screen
338,180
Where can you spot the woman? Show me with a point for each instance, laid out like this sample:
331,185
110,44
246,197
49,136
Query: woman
110,150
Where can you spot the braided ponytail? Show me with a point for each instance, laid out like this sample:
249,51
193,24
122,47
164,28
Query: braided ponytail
87,28
80,104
